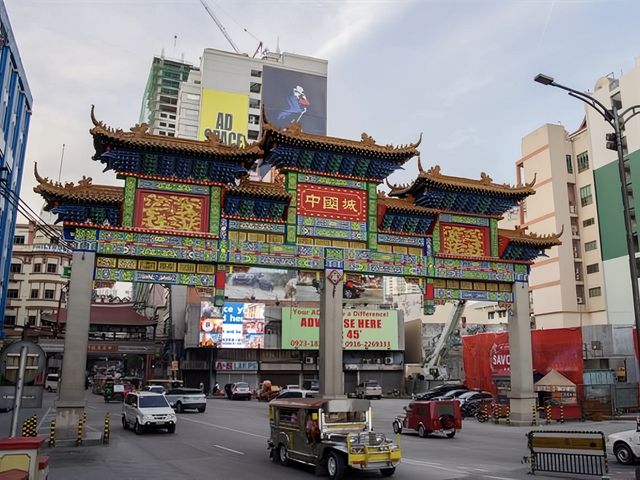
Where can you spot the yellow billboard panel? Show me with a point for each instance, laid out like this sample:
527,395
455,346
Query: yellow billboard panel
226,115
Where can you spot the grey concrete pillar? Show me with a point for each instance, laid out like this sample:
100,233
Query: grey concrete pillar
71,398
522,397
330,348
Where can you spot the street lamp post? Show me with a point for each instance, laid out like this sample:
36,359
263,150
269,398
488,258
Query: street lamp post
617,120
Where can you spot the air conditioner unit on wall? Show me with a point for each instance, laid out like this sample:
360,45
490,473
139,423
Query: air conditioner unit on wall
378,360
580,301
309,360
388,360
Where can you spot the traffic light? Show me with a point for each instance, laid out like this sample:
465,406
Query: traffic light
612,141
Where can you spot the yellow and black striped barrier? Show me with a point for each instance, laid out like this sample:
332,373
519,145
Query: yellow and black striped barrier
508,413
80,433
52,433
534,417
547,411
107,429
561,413
30,427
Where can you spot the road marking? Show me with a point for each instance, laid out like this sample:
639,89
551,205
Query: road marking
229,449
429,464
221,427
43,418
500,478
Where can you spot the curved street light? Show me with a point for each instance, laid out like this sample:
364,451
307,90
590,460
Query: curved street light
617,120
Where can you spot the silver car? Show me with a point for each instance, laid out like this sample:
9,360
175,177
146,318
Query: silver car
187,398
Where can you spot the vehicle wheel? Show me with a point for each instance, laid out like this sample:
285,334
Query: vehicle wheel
335,466
387,472
179,407
379,397
125,425
348,294
202,409
137,428
49,389
171,429
422,432
623,454
282,456
397,427
451,434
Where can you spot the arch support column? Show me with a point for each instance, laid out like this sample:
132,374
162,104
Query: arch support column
521,397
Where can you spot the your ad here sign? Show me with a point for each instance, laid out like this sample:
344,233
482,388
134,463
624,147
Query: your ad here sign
361,329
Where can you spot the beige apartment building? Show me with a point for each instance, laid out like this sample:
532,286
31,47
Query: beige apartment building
36,279
567,288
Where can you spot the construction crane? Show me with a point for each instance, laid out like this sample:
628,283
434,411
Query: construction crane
433,368
220,26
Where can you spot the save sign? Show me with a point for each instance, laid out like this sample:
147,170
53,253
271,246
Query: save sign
361,329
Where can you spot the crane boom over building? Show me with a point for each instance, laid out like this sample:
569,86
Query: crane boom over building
434,361
220,26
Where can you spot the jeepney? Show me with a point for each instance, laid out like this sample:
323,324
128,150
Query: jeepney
329,434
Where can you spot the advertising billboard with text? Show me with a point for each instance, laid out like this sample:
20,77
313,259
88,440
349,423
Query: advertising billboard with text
290,97
224,114
361,329
235,325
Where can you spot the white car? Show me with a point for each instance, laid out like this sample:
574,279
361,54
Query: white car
298,393
184,398
369,389
146,410
625,446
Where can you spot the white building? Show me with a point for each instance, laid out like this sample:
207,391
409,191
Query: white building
36,278
231,84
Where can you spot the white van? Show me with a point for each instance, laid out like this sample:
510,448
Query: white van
51,382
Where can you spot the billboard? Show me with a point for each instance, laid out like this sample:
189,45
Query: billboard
361,329
224,114
235,325
293,97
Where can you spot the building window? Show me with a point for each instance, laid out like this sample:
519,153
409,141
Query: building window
569,164
12,293
589,246
9,320
35,293
252,134
502,313
253,103
595,292
491,315
48,294
31,320
583,161
588,222
586,198
256,73
593,268
18,240
15,268
254,119
52,268
255,87
163,124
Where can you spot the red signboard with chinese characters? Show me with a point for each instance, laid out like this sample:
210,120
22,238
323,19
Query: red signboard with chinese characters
328,202
171,211
464,240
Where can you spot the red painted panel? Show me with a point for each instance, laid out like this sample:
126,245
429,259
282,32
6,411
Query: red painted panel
169,211
329,202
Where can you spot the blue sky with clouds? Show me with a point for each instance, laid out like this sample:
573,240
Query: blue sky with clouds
460,71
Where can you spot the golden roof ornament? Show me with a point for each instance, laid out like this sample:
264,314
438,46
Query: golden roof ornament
367,140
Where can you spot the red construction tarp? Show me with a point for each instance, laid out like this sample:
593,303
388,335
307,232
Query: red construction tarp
487,355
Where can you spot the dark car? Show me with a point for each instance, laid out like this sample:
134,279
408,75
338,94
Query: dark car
352,290
244,279
311,385
439,391
265,284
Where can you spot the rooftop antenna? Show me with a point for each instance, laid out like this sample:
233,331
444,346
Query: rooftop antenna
175,42
61,161
278,44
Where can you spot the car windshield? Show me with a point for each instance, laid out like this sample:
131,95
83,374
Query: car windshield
345,417
153,401
242,385
468,395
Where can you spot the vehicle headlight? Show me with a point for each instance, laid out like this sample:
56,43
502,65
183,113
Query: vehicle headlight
146,418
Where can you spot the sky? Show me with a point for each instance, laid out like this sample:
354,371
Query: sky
458,71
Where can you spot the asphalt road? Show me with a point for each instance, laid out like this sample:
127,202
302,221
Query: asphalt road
228,441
